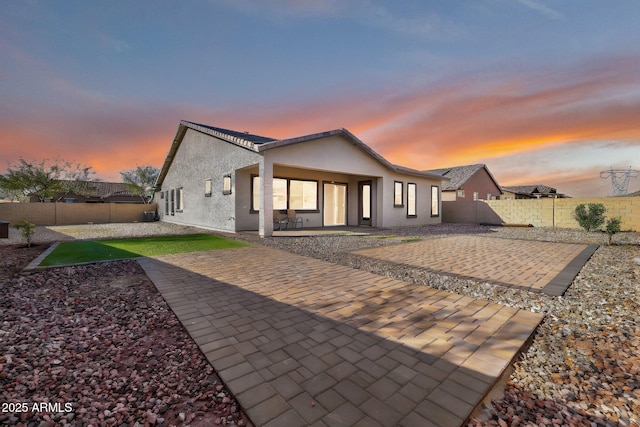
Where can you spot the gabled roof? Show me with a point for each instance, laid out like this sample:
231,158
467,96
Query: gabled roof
530,190
230,135
459,175
260,144
242,139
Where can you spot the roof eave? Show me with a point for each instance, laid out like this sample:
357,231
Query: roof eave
356,141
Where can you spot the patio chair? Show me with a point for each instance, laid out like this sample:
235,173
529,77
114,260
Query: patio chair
279,220
293,221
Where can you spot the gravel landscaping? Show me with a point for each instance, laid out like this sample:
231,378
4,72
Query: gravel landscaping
100,336
97,345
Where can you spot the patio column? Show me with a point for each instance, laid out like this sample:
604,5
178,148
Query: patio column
266,197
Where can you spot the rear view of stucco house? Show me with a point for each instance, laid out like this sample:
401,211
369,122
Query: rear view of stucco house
468,182
234,181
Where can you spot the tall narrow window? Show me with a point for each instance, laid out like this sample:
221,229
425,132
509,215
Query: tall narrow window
279,193
475,195
180,199
435,201
166,202
173,202
411,200
398,196
255,193
207,188
226,184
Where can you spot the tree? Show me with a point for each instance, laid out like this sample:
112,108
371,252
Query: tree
141,181
590,216
26,229
44,179
614,226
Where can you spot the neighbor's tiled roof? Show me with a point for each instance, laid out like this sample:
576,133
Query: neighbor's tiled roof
102,189
530,189
458,175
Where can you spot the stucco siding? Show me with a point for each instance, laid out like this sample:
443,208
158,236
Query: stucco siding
199,158
334,153
342,161
482,184
397,216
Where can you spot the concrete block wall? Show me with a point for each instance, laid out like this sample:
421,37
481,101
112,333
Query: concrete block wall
540,212
627,208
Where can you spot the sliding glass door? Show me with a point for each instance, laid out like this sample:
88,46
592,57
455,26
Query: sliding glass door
335,204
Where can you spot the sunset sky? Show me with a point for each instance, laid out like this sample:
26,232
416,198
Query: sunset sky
543,92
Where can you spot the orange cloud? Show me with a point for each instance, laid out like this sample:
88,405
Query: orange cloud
456,120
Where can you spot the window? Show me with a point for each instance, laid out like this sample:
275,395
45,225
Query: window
411,200
435,201
279,193
207,188
398,196
461,194
303,195
475,196
166,203
173,202
180,199
287,194
226,184
490,197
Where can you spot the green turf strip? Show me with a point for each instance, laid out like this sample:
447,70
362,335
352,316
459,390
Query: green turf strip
104,250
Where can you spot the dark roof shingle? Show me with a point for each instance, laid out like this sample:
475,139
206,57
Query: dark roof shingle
458,175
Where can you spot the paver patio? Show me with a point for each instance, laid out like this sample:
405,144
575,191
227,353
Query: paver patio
547,267
300,341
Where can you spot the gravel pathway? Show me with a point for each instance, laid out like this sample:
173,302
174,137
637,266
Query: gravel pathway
582,368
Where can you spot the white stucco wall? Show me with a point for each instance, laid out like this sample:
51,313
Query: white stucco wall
337,158
201,157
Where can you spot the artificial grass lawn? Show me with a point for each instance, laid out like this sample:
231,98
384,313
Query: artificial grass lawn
103,250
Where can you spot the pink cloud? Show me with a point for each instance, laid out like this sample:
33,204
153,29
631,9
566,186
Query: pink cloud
456,120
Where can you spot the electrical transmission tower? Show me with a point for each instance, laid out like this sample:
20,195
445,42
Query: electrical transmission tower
620,179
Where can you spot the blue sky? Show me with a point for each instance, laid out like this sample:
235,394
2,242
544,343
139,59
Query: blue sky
541,91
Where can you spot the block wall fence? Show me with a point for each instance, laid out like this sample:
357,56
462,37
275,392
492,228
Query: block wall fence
73,213
545,212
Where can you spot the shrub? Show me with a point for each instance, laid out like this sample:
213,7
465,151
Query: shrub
27,229
613,227
590,216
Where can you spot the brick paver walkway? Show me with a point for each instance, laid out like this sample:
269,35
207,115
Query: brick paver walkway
537,266
301,342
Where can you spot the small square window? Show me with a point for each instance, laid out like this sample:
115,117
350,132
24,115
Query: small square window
461,194
226,184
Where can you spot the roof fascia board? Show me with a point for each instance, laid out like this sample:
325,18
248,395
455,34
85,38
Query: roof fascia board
220,135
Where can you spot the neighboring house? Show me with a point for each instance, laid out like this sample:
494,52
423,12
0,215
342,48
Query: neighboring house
95,192
469,182
530,192
233,181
